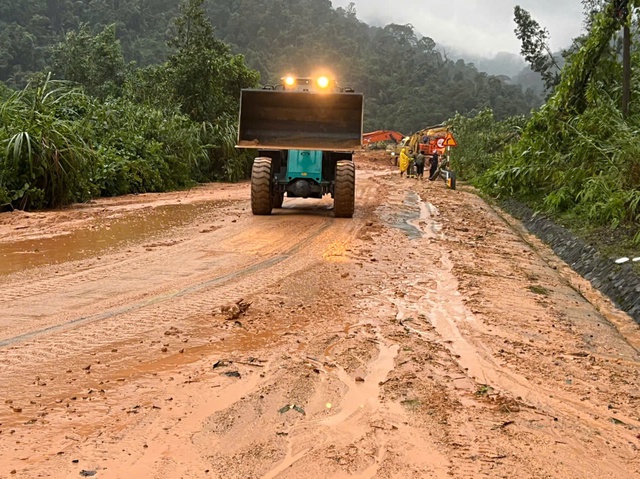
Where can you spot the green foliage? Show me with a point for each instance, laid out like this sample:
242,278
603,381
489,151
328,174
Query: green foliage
60,145
65,146
29,28
577,156
95,62
44,156
127,130
480,138
407,82
205,78
141,149
535,47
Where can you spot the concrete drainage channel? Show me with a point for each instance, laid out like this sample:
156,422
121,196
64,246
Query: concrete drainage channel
618,281
411,215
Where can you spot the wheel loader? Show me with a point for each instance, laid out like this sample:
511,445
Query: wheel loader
305,130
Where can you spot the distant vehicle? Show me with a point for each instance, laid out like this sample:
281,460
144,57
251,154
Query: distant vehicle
305,130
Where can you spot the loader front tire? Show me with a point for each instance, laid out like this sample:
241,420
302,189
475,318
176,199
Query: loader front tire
261,186
344,189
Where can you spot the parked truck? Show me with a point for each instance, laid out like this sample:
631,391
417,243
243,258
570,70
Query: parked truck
305,130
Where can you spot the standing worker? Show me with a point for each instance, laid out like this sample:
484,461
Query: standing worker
411,172
433,165
420,164
403,164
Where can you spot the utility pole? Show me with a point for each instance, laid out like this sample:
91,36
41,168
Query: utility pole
622,12
626,70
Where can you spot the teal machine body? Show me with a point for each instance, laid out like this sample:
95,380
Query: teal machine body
305,137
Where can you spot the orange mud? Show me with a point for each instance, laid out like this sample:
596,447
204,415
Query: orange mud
428,337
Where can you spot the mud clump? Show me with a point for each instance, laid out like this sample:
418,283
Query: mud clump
235,311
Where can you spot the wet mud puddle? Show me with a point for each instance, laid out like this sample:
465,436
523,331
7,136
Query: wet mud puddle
411,215
98,238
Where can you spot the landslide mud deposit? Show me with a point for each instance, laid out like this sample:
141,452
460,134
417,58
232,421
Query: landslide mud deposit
177,335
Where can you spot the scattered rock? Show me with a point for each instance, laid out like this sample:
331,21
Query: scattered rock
236,310
172,331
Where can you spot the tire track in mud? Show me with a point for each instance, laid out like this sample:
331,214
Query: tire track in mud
133,310
356,404
111,266
105,286
192,303
399,319
359,420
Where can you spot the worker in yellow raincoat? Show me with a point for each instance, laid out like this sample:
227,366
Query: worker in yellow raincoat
403,164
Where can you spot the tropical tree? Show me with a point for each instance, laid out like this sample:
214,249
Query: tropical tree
535,48
95,62
578,155
205,77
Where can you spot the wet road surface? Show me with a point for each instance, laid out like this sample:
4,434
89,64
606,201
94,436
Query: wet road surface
177,335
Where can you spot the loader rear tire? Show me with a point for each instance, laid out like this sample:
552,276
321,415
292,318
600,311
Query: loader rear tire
261,186
278,199
345,189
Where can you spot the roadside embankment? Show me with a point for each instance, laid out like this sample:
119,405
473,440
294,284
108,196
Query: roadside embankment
618,281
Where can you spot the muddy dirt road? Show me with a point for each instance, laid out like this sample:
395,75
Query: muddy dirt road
427,337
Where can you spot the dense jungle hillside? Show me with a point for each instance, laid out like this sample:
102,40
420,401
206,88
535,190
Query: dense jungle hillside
407,81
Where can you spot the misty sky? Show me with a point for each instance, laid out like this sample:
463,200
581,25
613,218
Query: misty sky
478,27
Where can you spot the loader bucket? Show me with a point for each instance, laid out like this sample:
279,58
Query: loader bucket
294,120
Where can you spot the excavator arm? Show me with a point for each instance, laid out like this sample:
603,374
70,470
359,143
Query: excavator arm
381,135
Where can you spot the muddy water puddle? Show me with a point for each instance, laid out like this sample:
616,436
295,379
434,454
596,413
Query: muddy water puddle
99,237
411,215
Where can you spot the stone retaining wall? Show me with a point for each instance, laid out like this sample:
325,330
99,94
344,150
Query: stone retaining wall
618,281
